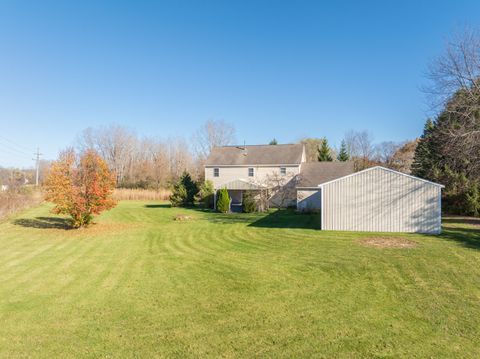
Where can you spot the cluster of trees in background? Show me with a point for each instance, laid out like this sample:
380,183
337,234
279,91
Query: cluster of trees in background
359,147
449,149
154,162
448,152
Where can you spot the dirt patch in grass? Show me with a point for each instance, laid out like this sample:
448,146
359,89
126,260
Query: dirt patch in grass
182,218
387,242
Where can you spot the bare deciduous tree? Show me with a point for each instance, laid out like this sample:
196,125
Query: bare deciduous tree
454,91
385,152
360,148
114,143
212,133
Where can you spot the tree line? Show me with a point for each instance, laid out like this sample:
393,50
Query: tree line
449,148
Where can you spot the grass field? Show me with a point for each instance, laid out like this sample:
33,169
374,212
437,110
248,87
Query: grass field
139,284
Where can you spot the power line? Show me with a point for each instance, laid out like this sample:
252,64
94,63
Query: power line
23,148
13,149
12,152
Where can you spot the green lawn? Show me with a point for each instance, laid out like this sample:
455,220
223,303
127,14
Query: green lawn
139,284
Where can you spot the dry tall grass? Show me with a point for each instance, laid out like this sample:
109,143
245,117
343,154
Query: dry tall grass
12,202
122,194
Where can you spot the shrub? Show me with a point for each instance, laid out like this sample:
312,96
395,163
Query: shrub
223,202
472,201
184,191
249,203
205,194
190,187
179,195
80,187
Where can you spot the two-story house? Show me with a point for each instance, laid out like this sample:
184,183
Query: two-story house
375,199
280,169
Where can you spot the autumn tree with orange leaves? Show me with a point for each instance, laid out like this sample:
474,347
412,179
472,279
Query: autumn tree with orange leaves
80,186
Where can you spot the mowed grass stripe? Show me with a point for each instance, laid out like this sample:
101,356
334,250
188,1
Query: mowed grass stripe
140,284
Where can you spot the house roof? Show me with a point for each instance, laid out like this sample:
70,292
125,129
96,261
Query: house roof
387,170
240,184
313,174
256,155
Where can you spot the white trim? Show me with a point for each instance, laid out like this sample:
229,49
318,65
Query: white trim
259,165
385,169
440,210
322,211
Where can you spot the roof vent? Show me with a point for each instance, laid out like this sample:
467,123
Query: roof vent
244,148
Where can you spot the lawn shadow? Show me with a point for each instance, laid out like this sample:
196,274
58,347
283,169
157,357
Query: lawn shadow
471,221
164,205
288,218
464,230
44,223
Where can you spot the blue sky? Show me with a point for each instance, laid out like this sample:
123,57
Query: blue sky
272,68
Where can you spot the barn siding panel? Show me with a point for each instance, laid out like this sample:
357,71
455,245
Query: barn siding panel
382,201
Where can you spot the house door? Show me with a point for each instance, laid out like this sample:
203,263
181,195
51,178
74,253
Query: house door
236,196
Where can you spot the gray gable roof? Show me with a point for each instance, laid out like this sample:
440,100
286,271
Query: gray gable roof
255,155
314,173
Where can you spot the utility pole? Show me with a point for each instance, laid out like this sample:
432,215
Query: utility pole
37,164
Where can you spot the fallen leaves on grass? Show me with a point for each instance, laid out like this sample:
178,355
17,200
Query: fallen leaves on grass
387,242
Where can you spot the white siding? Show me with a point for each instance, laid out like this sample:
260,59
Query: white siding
229,174
382,201
308,200
285,197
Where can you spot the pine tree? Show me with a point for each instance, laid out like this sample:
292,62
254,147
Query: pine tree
424,161
273,142
205,194
179,195
184,191
190,186
223,201
343,154
324,151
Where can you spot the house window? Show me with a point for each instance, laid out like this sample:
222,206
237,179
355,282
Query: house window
250,172
283,171
216,172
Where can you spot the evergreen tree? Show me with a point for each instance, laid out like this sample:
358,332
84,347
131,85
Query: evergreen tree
205,194
249,203
179,195
223,201
343,154
273,142
472,199
425,159
324,151
190,186
184,191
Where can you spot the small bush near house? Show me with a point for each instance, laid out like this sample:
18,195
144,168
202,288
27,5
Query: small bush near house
205,194
223,202
249,203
